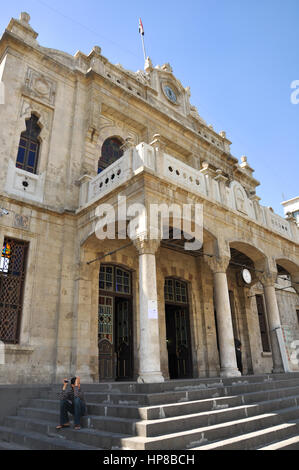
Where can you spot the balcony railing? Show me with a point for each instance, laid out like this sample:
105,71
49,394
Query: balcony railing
145,157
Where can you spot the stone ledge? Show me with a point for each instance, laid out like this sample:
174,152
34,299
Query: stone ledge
18,349
266,354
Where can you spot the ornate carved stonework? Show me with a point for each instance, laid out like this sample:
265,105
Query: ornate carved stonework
268,279
145,246
21,221
218,265
40,86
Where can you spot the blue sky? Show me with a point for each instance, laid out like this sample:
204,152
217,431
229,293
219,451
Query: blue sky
238,56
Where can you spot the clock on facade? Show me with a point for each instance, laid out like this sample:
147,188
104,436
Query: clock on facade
170,94
246,276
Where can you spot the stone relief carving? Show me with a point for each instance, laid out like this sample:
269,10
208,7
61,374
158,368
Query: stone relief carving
40,86
21,221
240,200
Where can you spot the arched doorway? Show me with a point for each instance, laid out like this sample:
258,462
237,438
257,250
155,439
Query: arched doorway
115,333
178,334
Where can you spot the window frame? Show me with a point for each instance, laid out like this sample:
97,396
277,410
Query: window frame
30,137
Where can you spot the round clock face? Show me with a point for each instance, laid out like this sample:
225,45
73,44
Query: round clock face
246,276
170,94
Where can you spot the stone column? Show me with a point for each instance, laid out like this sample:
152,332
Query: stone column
228,361
268,280
149,348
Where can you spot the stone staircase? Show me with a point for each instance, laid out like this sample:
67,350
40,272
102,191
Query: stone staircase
253,412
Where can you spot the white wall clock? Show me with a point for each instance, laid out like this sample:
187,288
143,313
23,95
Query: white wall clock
246,276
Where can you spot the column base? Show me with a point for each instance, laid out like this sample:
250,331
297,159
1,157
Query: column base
150,378
227,373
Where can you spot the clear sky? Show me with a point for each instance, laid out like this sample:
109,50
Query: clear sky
238,56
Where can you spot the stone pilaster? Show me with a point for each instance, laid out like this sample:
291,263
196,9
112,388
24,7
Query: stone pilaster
149,348
228,362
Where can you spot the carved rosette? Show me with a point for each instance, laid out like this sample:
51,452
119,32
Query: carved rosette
40,86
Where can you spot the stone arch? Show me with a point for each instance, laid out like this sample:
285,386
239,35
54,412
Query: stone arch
113,131
118,143
257,255
292,268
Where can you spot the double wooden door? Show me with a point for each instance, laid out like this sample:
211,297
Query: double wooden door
115,338
178,341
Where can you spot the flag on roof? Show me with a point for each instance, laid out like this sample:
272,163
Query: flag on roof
141,29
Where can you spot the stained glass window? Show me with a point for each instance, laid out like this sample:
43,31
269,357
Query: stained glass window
111,151
106,318
29,146
5,257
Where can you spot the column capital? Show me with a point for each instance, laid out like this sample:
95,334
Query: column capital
268,279
218,264
146,246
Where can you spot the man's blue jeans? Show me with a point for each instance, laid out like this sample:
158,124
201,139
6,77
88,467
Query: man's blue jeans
77,409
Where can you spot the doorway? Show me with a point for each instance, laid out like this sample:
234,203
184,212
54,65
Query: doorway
178,335
115,321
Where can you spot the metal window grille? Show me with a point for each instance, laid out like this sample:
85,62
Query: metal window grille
12,277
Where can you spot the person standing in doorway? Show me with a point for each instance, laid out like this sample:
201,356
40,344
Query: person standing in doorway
238,347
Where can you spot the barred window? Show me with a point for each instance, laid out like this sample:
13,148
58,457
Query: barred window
122,281
115,279
175,291
28,152
106,278
12,278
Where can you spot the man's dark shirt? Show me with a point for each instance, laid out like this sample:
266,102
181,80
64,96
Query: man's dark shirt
71,394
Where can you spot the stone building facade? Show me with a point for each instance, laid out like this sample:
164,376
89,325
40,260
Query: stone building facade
77,132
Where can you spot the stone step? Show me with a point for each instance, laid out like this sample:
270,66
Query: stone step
38,441
110,424
210,404
121,411
86,436
177,409
208,434
165,426
11,446
185,394
287,444
172,385
253,440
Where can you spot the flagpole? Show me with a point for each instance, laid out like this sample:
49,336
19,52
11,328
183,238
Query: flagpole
143,46
141,31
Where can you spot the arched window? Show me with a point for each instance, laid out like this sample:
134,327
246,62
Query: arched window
29,146
111,151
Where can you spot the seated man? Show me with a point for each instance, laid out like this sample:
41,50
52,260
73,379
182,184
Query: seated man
71,401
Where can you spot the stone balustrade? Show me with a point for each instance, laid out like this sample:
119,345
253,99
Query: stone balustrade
144,157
